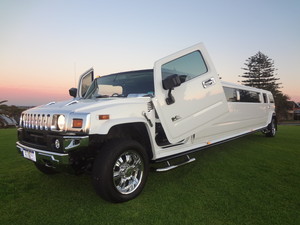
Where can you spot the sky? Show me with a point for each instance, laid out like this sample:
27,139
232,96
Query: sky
46,44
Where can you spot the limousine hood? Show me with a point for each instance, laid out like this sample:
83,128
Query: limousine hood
47,117
84,105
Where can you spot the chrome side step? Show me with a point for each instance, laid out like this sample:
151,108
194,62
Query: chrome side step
170,167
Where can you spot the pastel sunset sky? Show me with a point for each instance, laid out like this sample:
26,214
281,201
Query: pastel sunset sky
46,44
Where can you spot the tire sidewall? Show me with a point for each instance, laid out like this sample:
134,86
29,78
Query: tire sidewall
271,129
102,174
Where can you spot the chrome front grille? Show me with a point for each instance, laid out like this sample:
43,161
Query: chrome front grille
36,121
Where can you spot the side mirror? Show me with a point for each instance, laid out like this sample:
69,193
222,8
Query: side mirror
73,92
169,83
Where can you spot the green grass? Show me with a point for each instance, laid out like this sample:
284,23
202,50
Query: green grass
252,180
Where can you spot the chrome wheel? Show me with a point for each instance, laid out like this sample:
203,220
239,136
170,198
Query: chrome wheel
128,172
273,128
120,170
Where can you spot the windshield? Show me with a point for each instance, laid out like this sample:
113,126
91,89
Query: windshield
128,84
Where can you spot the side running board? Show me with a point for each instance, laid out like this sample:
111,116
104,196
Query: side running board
170,167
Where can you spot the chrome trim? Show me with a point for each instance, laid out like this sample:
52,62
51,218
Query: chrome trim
37,121
128,172
170,167
208,82
50,103
75,137
72,102
50,156
70,142
21,146
48,121
56,160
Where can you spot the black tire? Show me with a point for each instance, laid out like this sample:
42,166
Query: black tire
271,129
45,169
120,170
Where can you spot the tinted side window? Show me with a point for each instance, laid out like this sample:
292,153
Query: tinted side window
230,94
249,96
187,67
265,98
86,82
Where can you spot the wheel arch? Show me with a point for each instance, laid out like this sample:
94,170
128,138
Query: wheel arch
134,131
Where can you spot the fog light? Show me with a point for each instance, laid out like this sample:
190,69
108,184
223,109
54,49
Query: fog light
57,144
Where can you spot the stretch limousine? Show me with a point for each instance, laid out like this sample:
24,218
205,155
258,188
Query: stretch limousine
117,125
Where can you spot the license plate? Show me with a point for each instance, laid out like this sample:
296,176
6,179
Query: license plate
28,154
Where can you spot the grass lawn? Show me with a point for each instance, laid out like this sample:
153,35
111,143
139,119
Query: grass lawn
252,180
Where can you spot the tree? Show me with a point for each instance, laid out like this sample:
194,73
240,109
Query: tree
260,73
10,111
282,105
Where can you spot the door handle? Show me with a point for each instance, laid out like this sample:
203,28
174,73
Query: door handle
208,82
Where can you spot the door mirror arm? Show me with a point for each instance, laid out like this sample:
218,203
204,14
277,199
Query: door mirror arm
170,99
169,83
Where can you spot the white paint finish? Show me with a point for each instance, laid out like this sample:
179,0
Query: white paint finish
242,118
201,115
195,107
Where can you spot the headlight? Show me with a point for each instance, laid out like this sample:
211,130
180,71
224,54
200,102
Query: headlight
61,120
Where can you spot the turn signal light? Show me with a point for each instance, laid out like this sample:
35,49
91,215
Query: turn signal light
77,123
103,117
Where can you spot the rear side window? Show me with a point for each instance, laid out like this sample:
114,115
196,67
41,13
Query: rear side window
231,94
249,96
265,98
187,67
239,95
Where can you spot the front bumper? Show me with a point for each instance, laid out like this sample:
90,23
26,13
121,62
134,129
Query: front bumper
66,160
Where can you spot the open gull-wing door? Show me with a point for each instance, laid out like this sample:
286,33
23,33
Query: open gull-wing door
85,81
194,99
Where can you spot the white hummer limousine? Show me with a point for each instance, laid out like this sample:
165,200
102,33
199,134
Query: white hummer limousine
119,124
